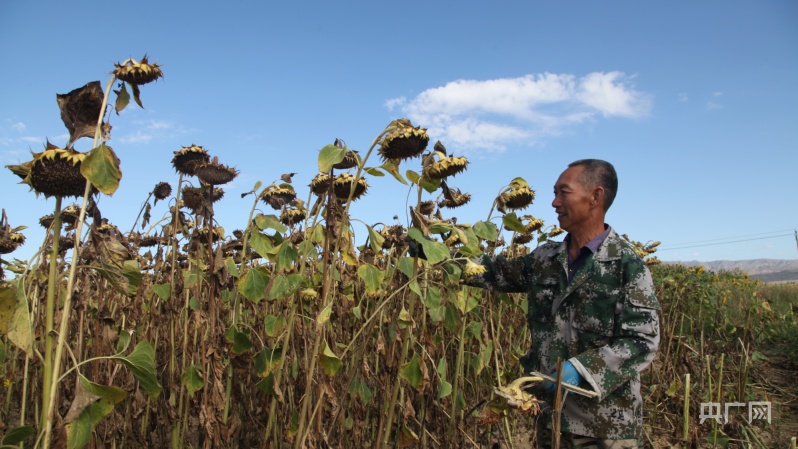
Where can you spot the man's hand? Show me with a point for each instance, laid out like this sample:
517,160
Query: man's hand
569,376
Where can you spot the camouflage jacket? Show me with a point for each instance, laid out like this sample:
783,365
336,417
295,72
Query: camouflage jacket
606,322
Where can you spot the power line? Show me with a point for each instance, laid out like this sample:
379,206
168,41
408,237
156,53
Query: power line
725,238
723,243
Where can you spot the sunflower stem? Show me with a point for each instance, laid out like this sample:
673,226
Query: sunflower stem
50,311
64,328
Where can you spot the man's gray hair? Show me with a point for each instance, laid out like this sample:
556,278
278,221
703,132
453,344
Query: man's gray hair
599,173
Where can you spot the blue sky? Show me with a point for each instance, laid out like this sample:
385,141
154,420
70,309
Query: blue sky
693,102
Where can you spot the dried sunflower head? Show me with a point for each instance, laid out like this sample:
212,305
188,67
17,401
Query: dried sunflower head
518,196
521,239
320,183
403,141
214,173
447,166
350,160
188,159
453,240
278,196
534,224
455,199
137,72
426,207
290,216
53,172
46,221
343,186
194,197
161,191
149,240
393,235
217,233
555,231
10,241
70,214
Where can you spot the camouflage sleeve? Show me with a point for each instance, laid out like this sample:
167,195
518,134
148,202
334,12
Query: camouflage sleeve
636,337
502,274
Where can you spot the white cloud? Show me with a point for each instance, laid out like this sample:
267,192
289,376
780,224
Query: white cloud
711,105
717,94
683,96
492,114
394,103
138,136
147,130
19,126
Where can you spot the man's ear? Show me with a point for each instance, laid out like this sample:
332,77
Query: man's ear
597,197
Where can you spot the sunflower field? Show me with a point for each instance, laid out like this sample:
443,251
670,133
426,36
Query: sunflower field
290,332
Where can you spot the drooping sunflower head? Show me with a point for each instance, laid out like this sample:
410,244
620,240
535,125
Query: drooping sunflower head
148,241
137,72
56,172
216,234
393,235
534,224
214,173
188,159
70,214
278,196
555,231
455,199
162,191
291,216
518,196
343,186
294,213
194,197
350,160
320,183
9,241
403,141
46,221
453,240
447,166
426,207
521,239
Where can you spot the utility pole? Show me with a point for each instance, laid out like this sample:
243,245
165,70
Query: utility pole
796,236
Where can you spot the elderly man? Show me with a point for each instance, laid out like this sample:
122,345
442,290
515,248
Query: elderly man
591,303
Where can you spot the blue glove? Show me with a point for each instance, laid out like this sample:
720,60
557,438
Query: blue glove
569,376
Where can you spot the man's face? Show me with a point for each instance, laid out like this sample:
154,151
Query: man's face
572,200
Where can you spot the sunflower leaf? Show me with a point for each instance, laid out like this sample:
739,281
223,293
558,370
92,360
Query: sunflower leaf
329,156
101,167
122,99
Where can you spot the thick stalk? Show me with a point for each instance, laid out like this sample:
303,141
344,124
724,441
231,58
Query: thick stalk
228,390
184,313
62,333
48,376
325,291
458,374
405,349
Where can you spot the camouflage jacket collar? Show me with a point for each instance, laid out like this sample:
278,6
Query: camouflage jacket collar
609,250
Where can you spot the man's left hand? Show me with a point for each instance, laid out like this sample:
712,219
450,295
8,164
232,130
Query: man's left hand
569,376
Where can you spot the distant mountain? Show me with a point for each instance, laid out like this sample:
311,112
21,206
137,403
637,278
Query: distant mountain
768,270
